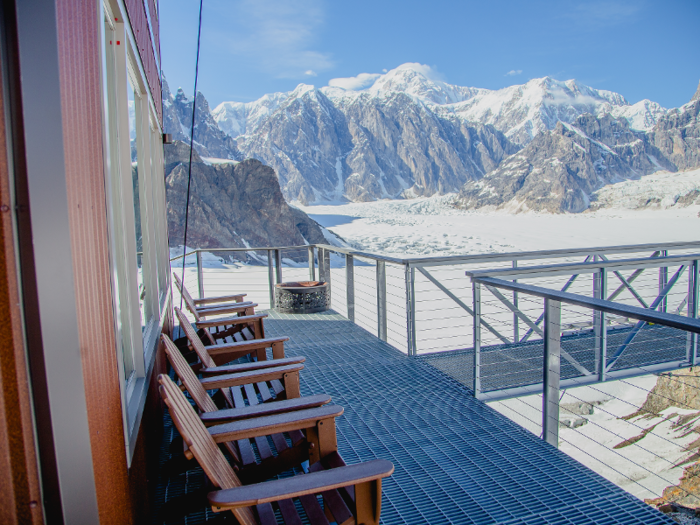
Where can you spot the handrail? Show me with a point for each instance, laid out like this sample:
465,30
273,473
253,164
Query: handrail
585,267
634,312
472,258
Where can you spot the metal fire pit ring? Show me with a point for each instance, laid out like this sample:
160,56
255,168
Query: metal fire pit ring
304,297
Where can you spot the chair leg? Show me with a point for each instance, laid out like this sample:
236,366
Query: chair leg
368,502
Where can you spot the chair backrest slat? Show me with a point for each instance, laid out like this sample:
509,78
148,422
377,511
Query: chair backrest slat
200,442
194,339
187,376
187,297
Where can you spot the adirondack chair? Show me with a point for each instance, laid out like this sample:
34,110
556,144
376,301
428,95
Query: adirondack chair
216,354
351,494
243,384
205,303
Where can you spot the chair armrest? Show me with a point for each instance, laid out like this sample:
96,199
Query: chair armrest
253,376
225,308
219,299
247,367
274,424
226,321
265,409
301,485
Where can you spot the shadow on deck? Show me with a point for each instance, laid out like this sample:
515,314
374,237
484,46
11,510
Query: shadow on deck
457,460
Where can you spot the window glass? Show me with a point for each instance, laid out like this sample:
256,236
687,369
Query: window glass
134,139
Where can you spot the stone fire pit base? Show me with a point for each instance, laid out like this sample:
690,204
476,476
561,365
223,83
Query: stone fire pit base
305,297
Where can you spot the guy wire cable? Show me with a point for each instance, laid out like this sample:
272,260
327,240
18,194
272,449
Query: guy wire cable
189,167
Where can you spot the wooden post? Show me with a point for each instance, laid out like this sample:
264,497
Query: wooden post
200,275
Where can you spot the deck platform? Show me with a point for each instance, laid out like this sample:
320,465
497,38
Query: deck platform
457,460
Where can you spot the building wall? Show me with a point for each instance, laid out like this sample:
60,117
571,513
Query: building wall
122,494
79,43
20,495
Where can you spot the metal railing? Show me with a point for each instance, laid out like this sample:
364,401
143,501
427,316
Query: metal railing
424,304
551,368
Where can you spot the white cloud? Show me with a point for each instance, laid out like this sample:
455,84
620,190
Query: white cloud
384,70
513,72
361,81
277,36
425,70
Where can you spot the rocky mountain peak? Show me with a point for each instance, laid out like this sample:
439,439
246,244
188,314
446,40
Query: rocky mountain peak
697,93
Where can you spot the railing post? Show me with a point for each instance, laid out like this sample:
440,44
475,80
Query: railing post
278,266
312,266
409,278
693,299
663,280
350,285
550,379
200,275
327,265
600,328
381,300
476,303
270,278
516,319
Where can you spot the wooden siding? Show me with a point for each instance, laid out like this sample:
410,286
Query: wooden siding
139,24
79,44
20,497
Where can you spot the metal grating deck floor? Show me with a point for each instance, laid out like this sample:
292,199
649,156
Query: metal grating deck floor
457,460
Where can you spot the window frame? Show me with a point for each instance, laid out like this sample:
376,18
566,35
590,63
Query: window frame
135,348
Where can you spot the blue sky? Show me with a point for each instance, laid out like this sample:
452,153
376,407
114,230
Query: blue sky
641,49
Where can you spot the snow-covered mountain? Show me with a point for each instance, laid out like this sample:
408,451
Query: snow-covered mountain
405,134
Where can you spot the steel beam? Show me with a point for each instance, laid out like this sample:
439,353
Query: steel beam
516,323
312,266
410,278
552,365
654,305
381,301
663,279
350,286
278,266
693,299
200,275
461,303
600,323
327,265
476,301
626,284
321,267
270,278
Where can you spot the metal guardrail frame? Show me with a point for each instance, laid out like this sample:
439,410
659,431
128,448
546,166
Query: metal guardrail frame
552,335
596,261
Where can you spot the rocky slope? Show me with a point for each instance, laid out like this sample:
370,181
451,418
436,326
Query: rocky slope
561,169
232,204
209,139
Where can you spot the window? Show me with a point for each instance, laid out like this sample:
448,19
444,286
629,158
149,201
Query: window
134,176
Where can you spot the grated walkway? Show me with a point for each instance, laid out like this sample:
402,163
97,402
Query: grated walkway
457,460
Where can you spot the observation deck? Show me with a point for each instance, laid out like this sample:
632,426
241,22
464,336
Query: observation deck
457,460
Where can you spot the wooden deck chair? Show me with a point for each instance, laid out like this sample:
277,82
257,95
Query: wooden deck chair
210,357
244,383
350,494
234,298
201,310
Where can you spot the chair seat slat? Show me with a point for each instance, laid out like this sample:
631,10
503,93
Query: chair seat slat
313,510
289,512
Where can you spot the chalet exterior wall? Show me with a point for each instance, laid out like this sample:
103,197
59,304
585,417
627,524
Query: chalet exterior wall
59,345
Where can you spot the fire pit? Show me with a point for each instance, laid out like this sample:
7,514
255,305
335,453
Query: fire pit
305,297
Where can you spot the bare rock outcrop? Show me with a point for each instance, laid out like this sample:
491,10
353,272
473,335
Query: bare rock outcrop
232,204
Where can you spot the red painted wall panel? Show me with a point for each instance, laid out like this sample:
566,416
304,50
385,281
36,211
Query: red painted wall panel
136,10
